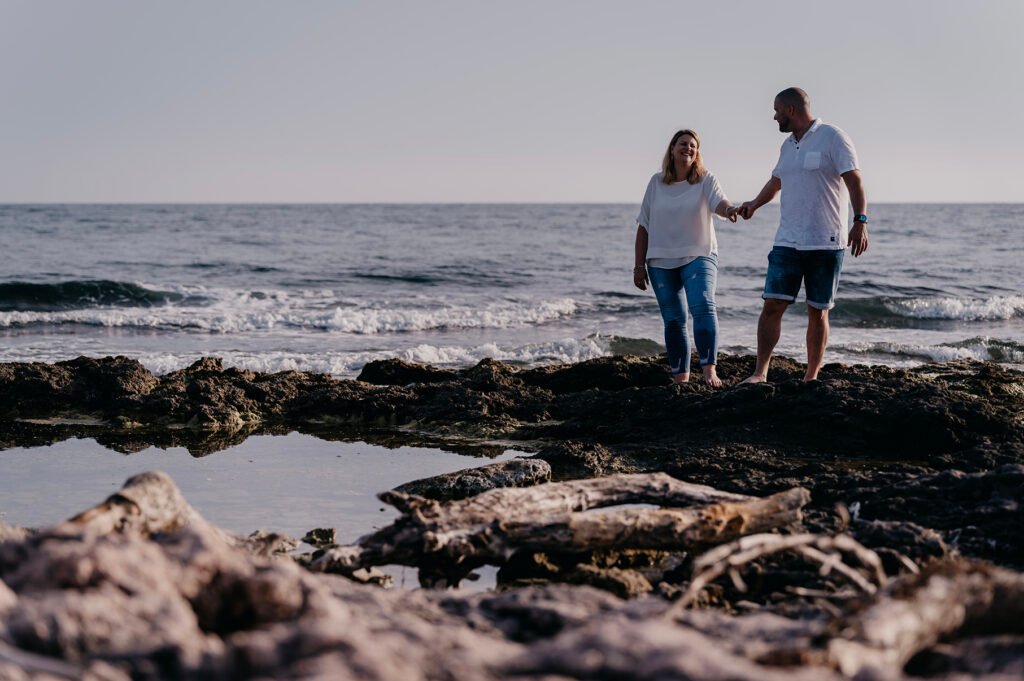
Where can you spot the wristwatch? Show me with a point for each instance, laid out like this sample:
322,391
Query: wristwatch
861,218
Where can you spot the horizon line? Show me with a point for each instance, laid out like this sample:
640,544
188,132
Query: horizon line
436,203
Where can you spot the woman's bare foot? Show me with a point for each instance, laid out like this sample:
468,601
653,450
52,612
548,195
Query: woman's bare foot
681,378
711,376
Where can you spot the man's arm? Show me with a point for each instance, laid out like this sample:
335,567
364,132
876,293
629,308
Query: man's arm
859,231
768,192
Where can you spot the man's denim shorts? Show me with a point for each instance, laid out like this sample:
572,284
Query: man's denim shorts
818,270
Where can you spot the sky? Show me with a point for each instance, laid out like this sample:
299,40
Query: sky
453,101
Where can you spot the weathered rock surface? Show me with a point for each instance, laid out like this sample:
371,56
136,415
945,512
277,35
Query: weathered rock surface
864,413
142,587
519,472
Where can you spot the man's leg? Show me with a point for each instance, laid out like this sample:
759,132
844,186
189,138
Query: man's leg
817,339
821,276
769,328
781,284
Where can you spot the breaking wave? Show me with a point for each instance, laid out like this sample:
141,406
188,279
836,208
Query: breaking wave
349,364
24,296
887,311
234,312
981,348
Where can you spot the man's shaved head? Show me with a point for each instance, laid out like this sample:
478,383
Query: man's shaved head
796,98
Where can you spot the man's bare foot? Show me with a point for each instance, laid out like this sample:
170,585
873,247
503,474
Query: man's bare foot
755,378
681,378
808,378
711,376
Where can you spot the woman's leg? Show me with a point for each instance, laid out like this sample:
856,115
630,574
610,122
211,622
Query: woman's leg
700,279
668,285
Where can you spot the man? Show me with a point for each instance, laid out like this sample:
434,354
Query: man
818,174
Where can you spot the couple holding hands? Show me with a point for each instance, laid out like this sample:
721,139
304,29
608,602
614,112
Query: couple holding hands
677,253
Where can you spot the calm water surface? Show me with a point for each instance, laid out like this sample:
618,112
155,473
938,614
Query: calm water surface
291,484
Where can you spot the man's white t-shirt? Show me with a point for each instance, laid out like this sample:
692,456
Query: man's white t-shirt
678,216
814,196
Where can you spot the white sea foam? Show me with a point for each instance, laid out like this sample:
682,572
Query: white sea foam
348,364
981,348
235,312
967,309
493,316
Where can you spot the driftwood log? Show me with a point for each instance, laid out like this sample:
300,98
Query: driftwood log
921,611
141,587
447,540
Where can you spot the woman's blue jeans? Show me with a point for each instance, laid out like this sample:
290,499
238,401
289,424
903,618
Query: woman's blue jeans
699,280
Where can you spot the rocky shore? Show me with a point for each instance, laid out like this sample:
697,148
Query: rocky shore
921,468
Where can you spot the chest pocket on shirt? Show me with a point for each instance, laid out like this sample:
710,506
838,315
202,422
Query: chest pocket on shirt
812,160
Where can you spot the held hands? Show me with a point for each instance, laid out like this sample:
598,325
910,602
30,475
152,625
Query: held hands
640,277
746,210
731,212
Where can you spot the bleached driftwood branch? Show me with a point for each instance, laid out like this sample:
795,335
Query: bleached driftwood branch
149,503
920,610
489,527
828,551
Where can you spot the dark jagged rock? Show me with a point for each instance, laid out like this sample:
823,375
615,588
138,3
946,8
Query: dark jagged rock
518,472
598,374
573,459
864,413
400,372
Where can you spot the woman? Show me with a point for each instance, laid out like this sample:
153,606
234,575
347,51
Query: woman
676,251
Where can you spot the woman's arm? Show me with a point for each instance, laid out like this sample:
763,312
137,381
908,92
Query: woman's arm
640,258
726,210
713,191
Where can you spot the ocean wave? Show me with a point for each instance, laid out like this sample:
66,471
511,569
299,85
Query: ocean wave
981,348
886,310
24,296
448,275
966,309
261,311
491,316
349,364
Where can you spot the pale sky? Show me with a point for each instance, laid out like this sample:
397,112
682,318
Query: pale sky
479,101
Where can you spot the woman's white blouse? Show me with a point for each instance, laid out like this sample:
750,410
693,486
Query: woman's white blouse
678,217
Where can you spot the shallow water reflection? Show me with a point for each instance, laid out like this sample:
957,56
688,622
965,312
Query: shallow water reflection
286,483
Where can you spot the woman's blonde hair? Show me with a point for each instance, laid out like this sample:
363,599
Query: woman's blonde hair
668,167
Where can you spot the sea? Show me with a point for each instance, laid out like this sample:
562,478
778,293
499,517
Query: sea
328,288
